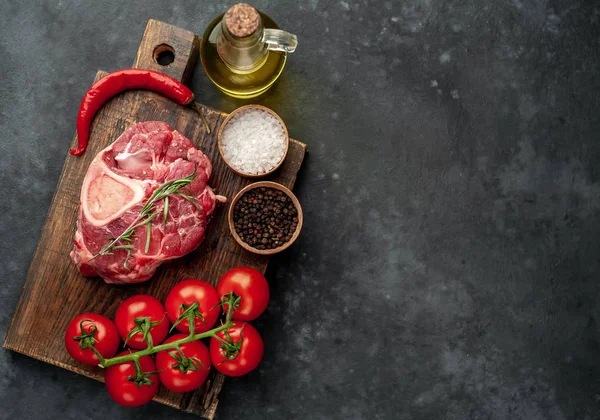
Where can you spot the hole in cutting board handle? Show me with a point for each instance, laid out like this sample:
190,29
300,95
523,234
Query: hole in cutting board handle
164,54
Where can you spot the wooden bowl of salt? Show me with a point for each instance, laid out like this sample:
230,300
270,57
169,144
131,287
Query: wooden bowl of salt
253,141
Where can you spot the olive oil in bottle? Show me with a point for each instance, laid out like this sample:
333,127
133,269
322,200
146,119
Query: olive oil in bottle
243,51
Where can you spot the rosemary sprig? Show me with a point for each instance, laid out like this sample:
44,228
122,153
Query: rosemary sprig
148,214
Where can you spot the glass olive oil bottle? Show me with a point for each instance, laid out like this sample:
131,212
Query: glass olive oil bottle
243,51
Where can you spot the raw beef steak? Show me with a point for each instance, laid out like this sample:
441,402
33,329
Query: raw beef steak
119,182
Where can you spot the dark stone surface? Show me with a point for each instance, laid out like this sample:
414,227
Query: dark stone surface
449,264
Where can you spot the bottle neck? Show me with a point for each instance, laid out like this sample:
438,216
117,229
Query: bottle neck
242,55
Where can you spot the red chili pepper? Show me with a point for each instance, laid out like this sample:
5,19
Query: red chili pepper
120,81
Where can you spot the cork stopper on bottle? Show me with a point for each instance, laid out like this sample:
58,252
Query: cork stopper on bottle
242,20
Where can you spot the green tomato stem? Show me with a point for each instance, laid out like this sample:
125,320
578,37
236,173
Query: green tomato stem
98,355
167,346
135,357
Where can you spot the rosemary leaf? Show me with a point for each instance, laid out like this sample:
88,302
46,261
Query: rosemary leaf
165,210
191,200
148,223
148,236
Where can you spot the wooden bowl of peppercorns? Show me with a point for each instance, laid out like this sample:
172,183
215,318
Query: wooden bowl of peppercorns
265,218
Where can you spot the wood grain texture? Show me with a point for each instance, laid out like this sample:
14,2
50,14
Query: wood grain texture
55,292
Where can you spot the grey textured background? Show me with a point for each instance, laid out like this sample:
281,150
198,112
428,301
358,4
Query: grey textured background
449,264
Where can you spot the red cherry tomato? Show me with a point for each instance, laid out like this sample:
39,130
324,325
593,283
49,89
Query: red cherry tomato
137,308
186,293
126,392
253,288
250,353
98,331
180,375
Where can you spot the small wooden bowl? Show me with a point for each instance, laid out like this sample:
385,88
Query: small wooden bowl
268,184
233,114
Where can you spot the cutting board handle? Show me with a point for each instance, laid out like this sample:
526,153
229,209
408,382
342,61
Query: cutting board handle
162,42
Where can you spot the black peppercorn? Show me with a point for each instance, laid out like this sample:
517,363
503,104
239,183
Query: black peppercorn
265,218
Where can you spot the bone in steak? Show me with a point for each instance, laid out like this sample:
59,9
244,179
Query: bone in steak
119,182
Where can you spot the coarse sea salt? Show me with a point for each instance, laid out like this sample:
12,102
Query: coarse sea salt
253,141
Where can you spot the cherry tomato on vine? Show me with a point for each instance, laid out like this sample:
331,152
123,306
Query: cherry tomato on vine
242,355
121,382
140,316
87,330
187,372
251,286
184,295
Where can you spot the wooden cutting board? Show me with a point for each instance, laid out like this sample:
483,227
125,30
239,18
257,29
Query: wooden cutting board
55,292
